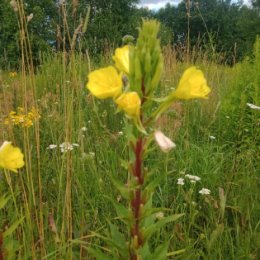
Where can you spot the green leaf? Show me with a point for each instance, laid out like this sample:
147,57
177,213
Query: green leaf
159,224
122,188
117,237
160,252
154,183
119,241
223,199
215,234
122,212
13,227
145,251
99,255
3,201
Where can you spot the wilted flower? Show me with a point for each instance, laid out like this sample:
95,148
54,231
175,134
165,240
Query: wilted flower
130,102
11,158
165,143
192,85
253,106
105,83
204,191
14,5
121,59
29,17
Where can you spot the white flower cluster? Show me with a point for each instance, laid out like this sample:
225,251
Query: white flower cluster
204,191
192,178
64,147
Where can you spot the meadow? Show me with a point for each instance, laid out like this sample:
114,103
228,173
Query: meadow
59,205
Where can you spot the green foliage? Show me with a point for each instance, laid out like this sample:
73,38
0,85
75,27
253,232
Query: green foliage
222,27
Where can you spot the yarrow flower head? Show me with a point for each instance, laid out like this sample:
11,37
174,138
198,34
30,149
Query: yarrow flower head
192,178
11,158
66,146
180,181
192,85
204,191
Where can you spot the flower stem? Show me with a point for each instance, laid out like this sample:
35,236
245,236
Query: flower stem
137,201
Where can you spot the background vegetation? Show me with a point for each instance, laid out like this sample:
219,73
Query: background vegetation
226,29
56,207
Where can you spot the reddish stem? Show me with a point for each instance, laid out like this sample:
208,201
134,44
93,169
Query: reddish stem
137,199
1,246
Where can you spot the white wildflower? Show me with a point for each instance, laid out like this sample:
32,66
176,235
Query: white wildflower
52,146
83,129
180,181
193,178
253,106
212,137
66,146
204,191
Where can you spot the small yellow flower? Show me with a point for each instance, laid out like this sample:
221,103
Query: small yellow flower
121,59
12,74
105,83
11,158
192,85
130,102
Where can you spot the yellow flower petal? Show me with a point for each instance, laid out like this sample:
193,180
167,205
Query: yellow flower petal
121,59
105,83
11,157
130,102
192,85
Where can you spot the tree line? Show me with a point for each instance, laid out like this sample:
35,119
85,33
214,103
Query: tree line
225,28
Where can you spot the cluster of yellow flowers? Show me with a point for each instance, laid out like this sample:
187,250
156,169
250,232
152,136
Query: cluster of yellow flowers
107,83
11,158
21,118
13,74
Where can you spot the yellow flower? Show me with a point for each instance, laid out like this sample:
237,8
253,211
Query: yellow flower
12,74
130,102
105,83
121,59
11,157
192,85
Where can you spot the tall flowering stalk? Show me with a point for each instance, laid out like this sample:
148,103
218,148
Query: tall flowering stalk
142,64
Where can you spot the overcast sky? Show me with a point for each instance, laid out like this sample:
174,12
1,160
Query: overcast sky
157,4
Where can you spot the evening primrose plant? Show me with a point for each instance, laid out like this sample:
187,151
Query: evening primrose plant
132,84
